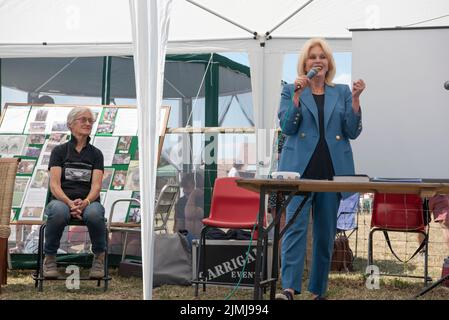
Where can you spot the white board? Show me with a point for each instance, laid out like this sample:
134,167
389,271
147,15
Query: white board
405,108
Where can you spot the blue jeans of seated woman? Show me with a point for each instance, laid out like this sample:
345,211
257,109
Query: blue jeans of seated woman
58,217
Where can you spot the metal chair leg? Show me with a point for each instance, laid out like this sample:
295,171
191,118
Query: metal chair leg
106,263
125,244
40,257
39,275
370,248
204,259
198,260
426,259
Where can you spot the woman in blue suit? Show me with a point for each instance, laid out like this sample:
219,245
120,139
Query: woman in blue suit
318,118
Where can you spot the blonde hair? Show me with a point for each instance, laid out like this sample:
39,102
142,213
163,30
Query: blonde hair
330,74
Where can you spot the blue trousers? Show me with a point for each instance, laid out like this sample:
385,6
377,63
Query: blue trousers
294,243
58,217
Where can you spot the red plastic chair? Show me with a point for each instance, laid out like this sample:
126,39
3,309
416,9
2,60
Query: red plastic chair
232,208
399,213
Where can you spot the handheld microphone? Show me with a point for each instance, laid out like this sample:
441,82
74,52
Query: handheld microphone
312,73
446,85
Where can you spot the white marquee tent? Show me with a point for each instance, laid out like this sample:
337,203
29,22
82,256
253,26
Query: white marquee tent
265,29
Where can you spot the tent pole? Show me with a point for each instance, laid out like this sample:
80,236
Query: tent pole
106,81
1,86
244,112
222,17
288,18
55,75
225,112
211,87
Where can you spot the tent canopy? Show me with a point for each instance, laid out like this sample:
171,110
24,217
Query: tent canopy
74,28
182,76
103,27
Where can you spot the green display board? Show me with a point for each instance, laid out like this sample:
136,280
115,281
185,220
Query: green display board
32,131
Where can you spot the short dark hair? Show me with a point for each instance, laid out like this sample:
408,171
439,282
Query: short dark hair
189,178
45,99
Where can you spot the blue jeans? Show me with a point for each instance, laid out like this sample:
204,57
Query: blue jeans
58,217
294,242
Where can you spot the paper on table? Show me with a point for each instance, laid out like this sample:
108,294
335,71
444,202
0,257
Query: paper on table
352,178
14,120
107,146
125,122
377,179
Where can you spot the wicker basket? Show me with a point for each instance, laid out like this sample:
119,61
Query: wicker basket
8,170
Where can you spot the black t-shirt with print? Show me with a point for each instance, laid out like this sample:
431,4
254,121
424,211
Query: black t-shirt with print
77,168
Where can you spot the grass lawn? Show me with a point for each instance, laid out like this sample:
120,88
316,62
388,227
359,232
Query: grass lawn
342,286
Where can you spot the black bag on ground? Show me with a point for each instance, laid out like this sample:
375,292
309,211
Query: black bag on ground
236,234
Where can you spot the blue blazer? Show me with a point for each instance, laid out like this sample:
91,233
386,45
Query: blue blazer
300,125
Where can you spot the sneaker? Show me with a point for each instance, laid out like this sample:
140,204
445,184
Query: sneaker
284,295
97,270
319,298
50,267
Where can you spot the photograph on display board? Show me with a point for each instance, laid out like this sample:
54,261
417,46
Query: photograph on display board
45,159
118,182
124,144
20,187
41,114
121,158
105,128
12,145
26,166
132,177
31,213
37,127
32,152
40,179
108,173
109,115
50,146
133,215
58,138
59,126
36,139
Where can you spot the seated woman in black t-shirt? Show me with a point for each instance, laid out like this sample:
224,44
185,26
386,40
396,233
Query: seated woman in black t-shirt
76,172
